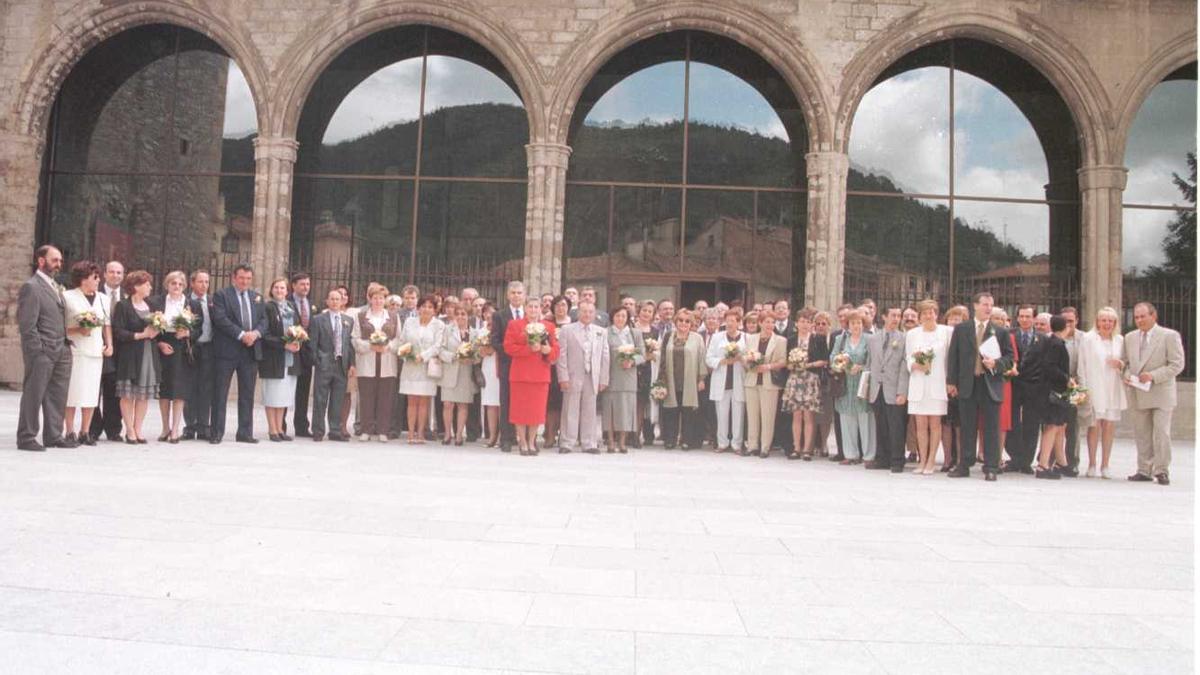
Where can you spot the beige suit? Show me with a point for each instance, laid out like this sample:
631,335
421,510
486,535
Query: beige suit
583,362
1162,359
762,400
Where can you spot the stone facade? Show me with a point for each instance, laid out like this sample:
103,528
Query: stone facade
1103,57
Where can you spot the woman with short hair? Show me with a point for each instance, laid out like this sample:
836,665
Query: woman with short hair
280,358
529,373
925,349
858,422
374,337
89,345
1051,392
138,366
683,371
421,341
175,347
457,386
618,402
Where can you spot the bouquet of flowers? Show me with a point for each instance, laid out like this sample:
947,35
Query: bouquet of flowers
797,359
651,345
923,357
88,320
467,351
405,351
841,363
1076,394
658,391
184,320
378,339
627,354
732,350
535,334
483,338
158,322
754,359
295,334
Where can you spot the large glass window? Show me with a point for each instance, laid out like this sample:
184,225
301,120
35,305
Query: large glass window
687,152
150,157
412,165
963,177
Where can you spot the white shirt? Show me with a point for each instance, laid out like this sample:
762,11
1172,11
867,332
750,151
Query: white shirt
173,308
49,280
517,312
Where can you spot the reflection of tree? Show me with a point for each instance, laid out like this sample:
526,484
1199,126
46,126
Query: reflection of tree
1179,246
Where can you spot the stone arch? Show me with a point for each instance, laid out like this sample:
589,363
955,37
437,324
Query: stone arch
50,67
329,36
745,26
1165,60
1065,67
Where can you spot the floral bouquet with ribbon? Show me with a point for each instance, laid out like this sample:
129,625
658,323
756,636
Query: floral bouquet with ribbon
841,363
405,351
536,335
658,391
295,334
627,354
378,339
797,359
88,320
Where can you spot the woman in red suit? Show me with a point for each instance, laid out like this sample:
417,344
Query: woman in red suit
529,375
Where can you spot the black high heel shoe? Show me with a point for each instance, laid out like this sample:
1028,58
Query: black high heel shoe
130,440
166,435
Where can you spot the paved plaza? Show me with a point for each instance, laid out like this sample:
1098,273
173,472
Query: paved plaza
372,558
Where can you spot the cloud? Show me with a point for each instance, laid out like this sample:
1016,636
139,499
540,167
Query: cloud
240,117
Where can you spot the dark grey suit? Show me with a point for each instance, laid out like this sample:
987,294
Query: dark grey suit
330,374
42,323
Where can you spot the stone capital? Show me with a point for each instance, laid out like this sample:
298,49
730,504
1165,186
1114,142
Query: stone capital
1102,177
548,154
276,147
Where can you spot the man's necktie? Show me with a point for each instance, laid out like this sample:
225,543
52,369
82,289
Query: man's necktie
245,303
304,313
337,335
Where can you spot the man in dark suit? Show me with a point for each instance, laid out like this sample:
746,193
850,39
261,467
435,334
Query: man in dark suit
107,419
41,320
301,286
333,361
978,383
198,409
515,310
785,326
1022,439
240,321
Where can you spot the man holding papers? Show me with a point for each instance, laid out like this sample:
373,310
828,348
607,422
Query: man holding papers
979,355
1153,359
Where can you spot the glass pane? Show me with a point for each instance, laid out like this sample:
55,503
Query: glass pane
374,127
779,246
996,151
107,217
1160,139
1004,248
475,124
900,140
897,249
645,237
585,236
197,222
338,219
720,234
465,229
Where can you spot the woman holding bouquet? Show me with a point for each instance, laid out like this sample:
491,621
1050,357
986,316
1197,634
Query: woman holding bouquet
1100,368
421,344
374,339
925,350
560,308
1052,390
858,422
645,324
531,343
174,343
727,390
278,368
135,329
91,341
767,354
683,371
618,403
802,393
459,355
489,396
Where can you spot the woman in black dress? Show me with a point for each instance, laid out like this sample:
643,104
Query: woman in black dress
138,367
175,348
1051,391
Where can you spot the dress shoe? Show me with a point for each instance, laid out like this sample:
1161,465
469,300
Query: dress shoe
87,439
215,438
173,441
960,472
837,458
1162,478
274,438
341,438
285,437
245,439
505,446
989,476
303,434
592,451
64,442
32,446
130,440
1067,471
188,435
164,437
318,438
1047,474
1140,478
142,441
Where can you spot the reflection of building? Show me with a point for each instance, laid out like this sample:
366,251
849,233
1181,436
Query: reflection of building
1027,282
868,276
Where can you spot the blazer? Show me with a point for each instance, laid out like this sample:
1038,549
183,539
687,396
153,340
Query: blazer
572,339
960,360
624,379
694,370
451,341
305,353
366,358
92,345
226,318
125,324
887,366
1056,369
1162,359
320,333
716,354
1029,363
500,321
273,365
776,353
527,365
1106,390
41,320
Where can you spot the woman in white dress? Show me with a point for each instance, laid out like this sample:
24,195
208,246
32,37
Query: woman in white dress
420,344
489,396
927,398
89,346
1100,369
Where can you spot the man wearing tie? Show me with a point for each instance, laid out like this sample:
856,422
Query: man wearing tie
107,418
1022,439
583,364
240,320
42,322
888,392
198,409
514,311
301,285
1154,358
333,360
978,383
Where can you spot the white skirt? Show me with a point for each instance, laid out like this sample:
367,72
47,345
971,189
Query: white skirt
279,393
84,388
491,388
927,406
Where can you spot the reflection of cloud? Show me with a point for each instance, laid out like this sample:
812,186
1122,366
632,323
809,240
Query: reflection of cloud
240,119
1026,226
902,129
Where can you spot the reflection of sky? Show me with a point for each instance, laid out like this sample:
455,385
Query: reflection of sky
240,118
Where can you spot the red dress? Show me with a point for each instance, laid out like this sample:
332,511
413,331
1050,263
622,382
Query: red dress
529,374
1006,405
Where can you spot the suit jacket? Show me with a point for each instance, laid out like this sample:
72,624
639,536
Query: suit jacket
528,365
571,365
887,365
776,353
1055,369
960,360
321,336
500,321
227,322
305,353
41,320
1162,359
716,354
1029,364
274,359
125,324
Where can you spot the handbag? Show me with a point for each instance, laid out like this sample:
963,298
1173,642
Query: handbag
433,368
864,385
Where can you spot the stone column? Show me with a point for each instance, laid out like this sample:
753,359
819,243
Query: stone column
544,217
20,182
825,255
274,160
1101,189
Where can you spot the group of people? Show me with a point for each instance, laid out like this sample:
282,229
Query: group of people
892,384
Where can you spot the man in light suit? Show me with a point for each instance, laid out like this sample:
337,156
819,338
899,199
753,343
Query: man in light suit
42,322
888,392
1154,356
583,363
240,319
333,360
978,384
